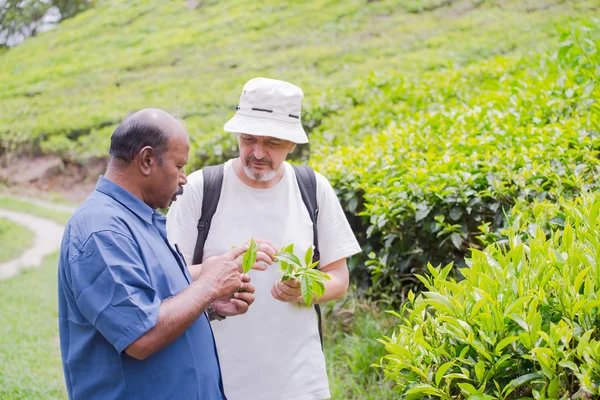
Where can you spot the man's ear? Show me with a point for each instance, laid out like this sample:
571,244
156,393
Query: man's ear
292,147
146,160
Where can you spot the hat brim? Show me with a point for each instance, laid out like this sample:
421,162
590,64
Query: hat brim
260,126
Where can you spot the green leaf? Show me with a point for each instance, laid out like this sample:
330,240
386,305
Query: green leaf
289,258
579,279
505,342
520,381
308,256
569,365
442,371
306,289
480,370
456,240
249,257
419,391
439,301
553,388
519,320
467,388
318,288
564,50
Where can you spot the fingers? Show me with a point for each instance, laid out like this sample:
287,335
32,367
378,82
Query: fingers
263,260
246,285
283,292
264,243
268,249
235,252
245,297
292,283
241,307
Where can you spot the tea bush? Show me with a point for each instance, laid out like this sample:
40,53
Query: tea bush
524,322
430,116
64,91
458,148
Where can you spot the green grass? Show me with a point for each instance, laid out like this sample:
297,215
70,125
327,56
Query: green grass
14,204
351,329
15,239
30,364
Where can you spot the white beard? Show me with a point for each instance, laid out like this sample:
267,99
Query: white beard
267,176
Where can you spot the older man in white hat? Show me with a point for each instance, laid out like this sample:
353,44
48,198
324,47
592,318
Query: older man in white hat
274,351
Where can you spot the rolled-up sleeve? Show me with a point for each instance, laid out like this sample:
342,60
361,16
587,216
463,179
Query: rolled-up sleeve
112,288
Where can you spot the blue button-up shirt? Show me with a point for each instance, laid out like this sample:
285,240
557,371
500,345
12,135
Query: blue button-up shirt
116,267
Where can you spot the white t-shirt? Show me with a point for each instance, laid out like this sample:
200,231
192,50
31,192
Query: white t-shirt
273,352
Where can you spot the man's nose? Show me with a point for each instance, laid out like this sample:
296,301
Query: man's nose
259,151
182,179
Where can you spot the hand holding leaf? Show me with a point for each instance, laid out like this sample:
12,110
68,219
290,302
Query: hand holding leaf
311,281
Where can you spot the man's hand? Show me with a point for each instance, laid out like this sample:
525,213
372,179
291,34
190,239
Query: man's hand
265,255
220,275
239,303
287,291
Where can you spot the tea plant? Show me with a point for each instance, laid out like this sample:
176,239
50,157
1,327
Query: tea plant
312,281
428,165
524,322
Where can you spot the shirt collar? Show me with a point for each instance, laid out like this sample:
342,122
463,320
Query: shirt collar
126,198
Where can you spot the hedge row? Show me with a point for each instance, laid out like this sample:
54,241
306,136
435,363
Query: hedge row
524,323
458,148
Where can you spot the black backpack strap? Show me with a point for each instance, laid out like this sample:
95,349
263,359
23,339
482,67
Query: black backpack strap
213,181
307,182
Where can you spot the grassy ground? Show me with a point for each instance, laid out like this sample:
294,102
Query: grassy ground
30,366
14,204
351,330
15,239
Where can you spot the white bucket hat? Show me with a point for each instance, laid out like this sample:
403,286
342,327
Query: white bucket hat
269,107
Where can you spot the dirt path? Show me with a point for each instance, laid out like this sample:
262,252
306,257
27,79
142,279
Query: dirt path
48,235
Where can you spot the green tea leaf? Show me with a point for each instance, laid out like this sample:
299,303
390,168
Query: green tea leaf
306,289
505,342
249,257
289,258
308,256
520,381
442,371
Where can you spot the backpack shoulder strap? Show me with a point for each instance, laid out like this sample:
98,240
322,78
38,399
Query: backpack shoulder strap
307,182
213,181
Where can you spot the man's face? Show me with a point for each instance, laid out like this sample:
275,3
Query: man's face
170,176
262,156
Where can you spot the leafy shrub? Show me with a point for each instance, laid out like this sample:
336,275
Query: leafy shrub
460,148
524,322
120,56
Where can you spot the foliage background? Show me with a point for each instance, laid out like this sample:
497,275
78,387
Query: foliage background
432,118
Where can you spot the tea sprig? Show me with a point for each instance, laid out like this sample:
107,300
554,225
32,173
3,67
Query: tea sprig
312,281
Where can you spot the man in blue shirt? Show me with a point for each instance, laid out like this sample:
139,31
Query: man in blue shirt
131,315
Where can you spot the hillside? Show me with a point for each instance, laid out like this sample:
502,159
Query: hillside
65,91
